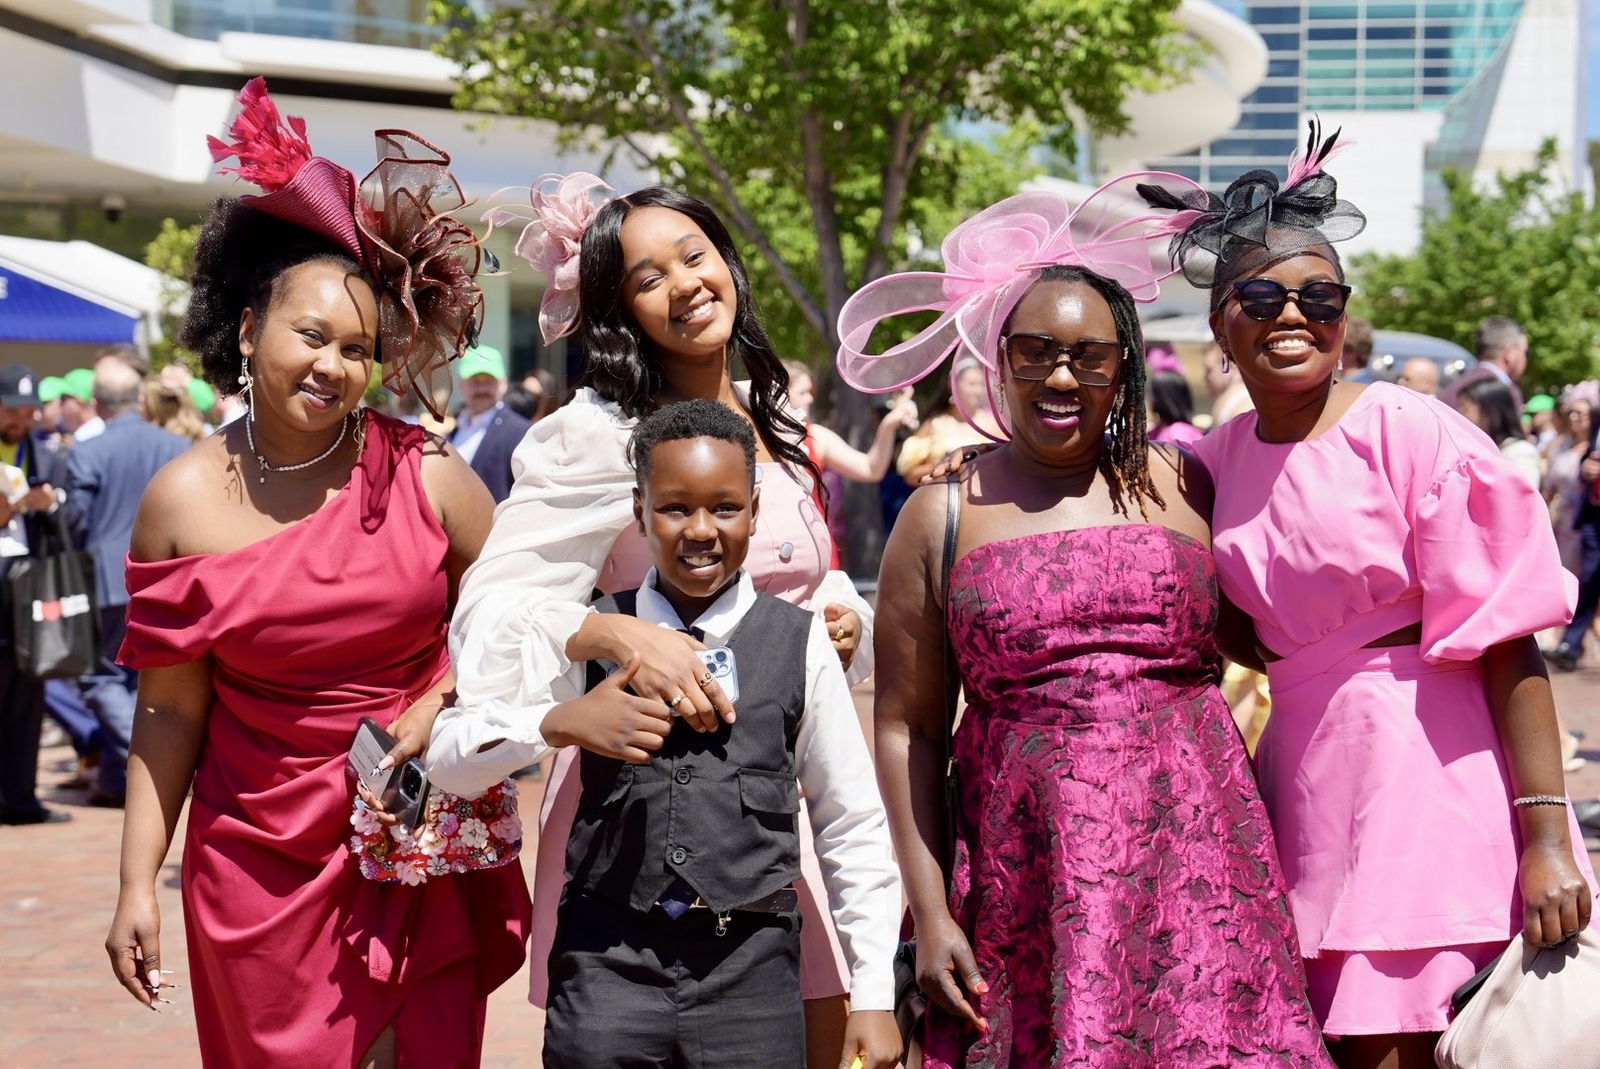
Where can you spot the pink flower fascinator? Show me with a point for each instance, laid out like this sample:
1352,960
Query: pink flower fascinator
990,261
1159,359
561,209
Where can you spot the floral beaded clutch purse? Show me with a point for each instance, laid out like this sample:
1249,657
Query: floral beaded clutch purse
455,834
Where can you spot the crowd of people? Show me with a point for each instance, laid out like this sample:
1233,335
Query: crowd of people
1099,868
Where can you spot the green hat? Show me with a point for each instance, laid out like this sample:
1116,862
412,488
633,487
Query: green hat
50,388
203,396
79,383
1539,402
482,360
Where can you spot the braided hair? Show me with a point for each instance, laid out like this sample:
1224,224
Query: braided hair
1125,459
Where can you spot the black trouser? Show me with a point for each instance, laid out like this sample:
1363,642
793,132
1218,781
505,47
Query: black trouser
1588,580
21,715
631,990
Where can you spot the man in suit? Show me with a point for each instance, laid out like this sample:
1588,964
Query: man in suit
107,476
487,432
32,500
1502,354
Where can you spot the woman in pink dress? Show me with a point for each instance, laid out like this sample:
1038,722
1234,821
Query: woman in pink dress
664,313
1113,899
1396,568
290,576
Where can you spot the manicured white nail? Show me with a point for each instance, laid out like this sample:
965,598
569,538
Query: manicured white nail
154,976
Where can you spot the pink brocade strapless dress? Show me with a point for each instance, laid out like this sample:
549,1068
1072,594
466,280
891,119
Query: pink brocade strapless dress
1115,870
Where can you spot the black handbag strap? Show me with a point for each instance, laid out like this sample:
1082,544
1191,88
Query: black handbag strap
952,677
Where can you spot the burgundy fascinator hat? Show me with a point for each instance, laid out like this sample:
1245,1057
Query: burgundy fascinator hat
990,262
1257,221
393,223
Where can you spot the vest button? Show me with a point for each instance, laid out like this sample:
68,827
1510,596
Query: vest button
786,552
682,775
678,856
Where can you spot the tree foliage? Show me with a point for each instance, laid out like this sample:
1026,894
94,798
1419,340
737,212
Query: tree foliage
825,131
172,253
1522,248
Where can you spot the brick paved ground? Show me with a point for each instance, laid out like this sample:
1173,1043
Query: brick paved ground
58,885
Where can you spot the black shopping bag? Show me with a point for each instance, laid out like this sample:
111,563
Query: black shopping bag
54,618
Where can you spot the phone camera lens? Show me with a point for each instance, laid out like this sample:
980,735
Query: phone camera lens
411,782
722,656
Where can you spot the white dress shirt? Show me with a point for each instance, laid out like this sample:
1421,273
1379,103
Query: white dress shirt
470,429
831,762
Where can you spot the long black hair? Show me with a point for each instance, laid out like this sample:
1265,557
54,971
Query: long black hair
239,257
620,365
1125,460
1499,408
1170,397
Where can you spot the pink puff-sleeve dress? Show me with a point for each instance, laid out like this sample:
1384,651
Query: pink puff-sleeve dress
1381,767
295,960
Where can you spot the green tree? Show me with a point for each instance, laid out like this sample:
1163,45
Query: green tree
832,135
172,253
1524,248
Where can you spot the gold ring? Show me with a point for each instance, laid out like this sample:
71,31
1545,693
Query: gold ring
838,633
706,679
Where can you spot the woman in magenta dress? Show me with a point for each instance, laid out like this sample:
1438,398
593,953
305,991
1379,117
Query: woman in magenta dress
1115,900
288,577
1396,568
664,314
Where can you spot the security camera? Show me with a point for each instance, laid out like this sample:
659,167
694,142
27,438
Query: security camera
113,205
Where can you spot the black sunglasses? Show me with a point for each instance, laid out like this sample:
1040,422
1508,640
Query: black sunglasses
1034,357
1263,299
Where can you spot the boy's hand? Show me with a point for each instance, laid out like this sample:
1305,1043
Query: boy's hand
871,1041
610,721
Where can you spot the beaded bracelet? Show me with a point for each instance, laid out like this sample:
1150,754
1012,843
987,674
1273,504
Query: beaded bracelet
1542,799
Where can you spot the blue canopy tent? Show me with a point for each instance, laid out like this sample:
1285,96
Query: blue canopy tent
37,308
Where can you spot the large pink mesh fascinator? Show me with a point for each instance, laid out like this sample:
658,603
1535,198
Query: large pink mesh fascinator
560,208
990,261
394,223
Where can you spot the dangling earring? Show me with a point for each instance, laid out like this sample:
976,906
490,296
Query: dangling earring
245,382
1227,360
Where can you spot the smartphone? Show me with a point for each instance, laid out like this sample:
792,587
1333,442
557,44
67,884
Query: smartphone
403,790
724,669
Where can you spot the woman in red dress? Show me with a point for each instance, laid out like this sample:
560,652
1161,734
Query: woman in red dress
290,576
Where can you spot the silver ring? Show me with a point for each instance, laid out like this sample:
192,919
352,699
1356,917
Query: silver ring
673,704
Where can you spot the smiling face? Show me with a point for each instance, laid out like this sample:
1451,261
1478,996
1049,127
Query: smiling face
311,351
676,286
1059,422
697,510
1288,353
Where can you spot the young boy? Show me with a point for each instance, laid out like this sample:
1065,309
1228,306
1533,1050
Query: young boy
677,941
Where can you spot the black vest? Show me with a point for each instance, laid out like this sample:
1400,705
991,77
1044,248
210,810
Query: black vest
717,809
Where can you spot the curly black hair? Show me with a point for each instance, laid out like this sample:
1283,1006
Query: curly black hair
1125,460
620,365
239,257
678,422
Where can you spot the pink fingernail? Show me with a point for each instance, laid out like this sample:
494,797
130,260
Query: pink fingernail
982,988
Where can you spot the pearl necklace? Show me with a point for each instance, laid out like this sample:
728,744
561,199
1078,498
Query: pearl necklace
265,466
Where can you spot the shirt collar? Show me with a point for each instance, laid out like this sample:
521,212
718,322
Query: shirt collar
717,622
472,422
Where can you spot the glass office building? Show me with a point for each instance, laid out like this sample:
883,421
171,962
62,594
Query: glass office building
1362,56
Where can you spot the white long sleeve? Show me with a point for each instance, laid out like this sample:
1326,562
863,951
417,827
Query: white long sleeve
850,827
529,592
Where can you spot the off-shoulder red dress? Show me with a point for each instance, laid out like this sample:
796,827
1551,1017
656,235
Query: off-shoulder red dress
295,959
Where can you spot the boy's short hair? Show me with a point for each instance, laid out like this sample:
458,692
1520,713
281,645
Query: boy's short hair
685,420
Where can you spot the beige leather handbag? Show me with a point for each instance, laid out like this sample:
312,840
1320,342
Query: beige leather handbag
1539,1009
